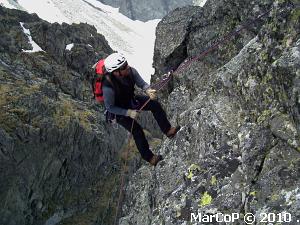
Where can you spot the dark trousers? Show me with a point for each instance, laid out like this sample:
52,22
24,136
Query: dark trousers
137,132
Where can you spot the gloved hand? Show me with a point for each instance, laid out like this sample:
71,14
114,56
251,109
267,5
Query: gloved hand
132,113
151,93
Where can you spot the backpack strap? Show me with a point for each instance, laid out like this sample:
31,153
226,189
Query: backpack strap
108,78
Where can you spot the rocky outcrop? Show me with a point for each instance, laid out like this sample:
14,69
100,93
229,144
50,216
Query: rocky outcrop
88,45
238,150
203,27
147,10
56,158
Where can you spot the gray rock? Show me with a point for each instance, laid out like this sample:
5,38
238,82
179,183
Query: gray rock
237,151
55,147
147,10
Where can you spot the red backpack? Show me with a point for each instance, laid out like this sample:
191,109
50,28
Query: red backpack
97,83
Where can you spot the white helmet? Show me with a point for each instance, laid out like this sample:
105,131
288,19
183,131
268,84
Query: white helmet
114,62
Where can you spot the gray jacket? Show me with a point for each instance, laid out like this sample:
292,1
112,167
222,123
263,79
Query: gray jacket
109,94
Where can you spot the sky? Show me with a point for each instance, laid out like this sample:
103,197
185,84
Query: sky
135,39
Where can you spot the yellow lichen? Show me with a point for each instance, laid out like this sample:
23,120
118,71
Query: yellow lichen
192,169
205,200
274,197
213,180
264,116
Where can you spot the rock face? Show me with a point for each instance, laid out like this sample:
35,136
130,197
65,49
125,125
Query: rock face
56,156
59,160
147,10
239,148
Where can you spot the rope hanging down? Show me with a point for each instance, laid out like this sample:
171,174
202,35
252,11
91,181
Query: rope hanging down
165,80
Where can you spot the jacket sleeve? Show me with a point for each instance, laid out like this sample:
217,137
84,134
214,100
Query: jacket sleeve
109,102
139,80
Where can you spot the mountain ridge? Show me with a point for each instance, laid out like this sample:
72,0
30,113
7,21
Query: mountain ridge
237,150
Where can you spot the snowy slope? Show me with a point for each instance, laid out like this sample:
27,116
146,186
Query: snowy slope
134,38
35,47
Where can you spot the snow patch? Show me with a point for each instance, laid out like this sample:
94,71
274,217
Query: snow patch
45,9
35,47
199,2
70,46
135,39
7,4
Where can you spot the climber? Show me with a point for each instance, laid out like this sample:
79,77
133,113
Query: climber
121,102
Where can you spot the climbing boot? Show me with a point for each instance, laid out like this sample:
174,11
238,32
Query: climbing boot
172,132
155,159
